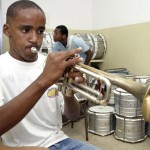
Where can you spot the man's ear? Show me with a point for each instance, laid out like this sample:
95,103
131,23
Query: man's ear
64,36
6,30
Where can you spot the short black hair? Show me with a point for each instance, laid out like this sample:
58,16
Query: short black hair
63,29
19,5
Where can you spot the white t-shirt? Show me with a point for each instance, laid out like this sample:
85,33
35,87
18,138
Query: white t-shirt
41,126
1,94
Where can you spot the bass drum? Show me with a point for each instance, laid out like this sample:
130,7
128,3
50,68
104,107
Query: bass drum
99,46
96,43
87,39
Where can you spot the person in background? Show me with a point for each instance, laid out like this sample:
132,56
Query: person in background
35,119
64,42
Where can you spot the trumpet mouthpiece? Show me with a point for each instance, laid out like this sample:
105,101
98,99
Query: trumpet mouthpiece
33,50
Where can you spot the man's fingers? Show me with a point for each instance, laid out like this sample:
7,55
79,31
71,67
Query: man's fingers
64,55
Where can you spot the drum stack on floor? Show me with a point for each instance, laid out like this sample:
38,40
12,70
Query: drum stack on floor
102,120
123,116
130,124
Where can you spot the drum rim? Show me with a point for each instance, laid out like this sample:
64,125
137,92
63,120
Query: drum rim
142,76
103,112
122,92
96,49
138,118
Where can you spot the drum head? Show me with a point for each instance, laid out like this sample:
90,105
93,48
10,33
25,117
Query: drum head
96,43
101,109
99,46
119,91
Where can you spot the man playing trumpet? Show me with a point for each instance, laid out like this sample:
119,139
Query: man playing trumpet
25,24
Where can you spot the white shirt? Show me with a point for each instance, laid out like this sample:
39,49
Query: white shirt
1,94
42,125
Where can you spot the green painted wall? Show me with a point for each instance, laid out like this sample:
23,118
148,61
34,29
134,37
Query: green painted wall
128,47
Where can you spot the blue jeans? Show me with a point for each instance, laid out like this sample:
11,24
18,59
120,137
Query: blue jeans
72,144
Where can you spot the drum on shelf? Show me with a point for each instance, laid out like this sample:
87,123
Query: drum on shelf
99,46
87,38
130,129
101,120
48,42
126,104
147,128
96,43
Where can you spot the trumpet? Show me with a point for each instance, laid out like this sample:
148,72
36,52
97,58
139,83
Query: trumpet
66,86
139,90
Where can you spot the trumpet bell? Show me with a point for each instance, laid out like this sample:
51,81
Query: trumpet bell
146,106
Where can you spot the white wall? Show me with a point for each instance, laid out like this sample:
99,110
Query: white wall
75,14
91,14
112,13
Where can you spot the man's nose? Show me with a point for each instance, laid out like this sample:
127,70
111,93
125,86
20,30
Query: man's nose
34,37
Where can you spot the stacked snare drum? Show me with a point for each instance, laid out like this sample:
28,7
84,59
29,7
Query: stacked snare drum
130,124
144,79
101,120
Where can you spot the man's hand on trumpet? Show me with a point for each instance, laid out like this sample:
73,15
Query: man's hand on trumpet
71,74
56,66
57,63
